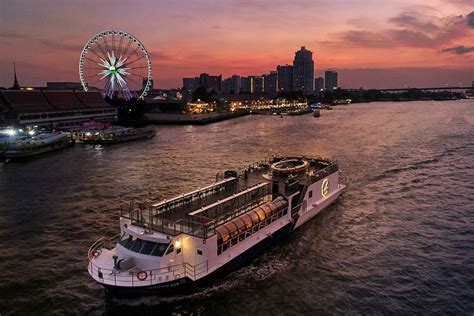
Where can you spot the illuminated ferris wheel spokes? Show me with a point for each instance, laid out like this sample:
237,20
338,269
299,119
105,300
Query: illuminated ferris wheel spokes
116,63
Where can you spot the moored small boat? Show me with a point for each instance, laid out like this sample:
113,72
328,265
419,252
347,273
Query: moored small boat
117,134
40,143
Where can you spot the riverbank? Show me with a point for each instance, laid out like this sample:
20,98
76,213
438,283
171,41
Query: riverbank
189,119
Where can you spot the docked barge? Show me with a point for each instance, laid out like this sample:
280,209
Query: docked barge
190,239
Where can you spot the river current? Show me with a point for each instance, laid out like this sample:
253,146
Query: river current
400,240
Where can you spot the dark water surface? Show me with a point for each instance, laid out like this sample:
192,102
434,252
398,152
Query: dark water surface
399,241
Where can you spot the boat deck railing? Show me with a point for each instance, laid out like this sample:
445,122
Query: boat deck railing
202,221
136,276
324,172
168,205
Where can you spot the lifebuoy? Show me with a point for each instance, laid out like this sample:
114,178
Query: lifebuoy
142,275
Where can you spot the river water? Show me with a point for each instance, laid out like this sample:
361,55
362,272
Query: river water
400,240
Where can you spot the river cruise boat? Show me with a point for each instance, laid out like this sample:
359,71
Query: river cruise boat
115,134
193,238
40,143
7,136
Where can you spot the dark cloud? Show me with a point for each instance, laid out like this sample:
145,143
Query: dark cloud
160,56
388,38
459,50
410,38
61,45
416,21
404,76
412,29
12,35
365,38
461,2
470,19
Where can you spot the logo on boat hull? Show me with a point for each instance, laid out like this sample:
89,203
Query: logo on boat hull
325,188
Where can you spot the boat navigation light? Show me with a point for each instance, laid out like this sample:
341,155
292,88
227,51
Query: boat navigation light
177,244
10,132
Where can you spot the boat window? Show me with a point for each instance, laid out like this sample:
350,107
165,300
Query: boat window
145,247
232,228
137,245
310,194
127,241
170,250
223,233
199,252
254,216
178,250
148,247
240,224
260,213
159,250
247,220
266,208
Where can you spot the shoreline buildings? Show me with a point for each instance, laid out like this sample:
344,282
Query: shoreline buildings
330,79
298,76
58,105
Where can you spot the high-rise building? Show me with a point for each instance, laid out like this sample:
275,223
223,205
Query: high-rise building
330,79
318,84
246,84
210,82
190,84
270,82
303,71
231,85
285,78
236,83
257,84
227,85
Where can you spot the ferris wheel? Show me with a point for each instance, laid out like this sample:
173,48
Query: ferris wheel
117,64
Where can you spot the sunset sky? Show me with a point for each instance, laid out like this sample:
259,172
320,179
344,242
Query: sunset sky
372,43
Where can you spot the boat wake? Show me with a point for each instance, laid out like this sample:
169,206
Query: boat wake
258,271
422,163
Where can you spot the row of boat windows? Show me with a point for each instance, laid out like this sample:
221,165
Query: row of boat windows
225,242
79,122
64,114
145,247
30,147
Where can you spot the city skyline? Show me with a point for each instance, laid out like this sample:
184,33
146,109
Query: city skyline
393,45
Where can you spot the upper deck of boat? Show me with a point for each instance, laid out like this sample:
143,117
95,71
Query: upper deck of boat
256,181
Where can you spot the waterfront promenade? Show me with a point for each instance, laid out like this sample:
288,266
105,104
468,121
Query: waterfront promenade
189,119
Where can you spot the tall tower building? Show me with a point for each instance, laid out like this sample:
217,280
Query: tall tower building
246,84
16,85
330,79
285,78
257,84
303,71
236,82
231,85
318,84
270,82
